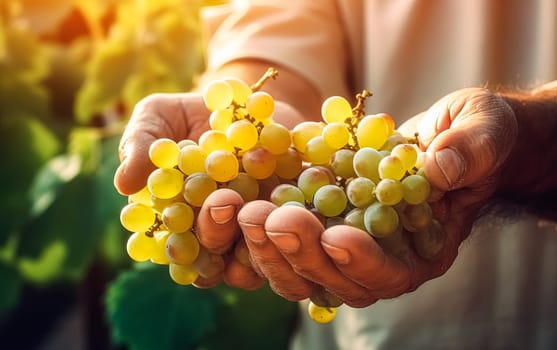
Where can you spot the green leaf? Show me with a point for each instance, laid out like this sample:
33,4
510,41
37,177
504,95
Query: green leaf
147,310
85,143
11,287
46,267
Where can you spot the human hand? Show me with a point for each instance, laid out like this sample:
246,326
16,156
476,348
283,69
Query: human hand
467,136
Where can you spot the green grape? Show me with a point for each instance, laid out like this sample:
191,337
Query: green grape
182,248
275,138
240,89
380,220
321,314
366,162
429,243
289,164
197,187
389,191
140,247
207,264
407,154
391,167
336,109
165,182
287,193
141,197
303,132
355,218
137,217
260,105
416,218
416,189
191,159
246,186
336,135
242,134
213,140
372,131
186,142
318,152
392,141
259,163
324,298
183,274
222,166
178,217
342,163
218,94
159,253
220,119
359,192
312,179
330,200
164,153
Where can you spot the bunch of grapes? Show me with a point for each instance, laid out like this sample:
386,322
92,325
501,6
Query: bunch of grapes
352,169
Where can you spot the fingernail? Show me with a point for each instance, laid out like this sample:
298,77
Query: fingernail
339,255
451,164
255,233
222,215
286,242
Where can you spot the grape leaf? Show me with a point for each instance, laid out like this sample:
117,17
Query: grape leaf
147,310
11,287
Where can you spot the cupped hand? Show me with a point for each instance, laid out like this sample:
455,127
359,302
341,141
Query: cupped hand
467,136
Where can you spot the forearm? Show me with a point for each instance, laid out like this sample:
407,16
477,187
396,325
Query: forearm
529,177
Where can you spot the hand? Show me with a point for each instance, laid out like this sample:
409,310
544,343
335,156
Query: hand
467,135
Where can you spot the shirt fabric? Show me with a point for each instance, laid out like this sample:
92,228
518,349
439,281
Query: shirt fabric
501,292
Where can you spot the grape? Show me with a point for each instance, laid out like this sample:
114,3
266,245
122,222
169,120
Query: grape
165,182
360,192
321,314
163,153
183,274
392,141
197,187
217,94
137,217
260,105
416,218
390,122
159,253
208,264
185,142
416,189
246,186
275,138
288,164
342,163
259,163
311,179
160,204
267,185
330,200
140,247
178,217
142,196
372,131
220,119
241,253
286,193
318,152
242,134
191,159
407,154
240,90
396,244
391,167
430,243
366,161
304,132
182,248
336,109
389,191
336,135
214,140
355,218
380,220
221,166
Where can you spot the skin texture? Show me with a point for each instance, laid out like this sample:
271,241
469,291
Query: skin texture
470,138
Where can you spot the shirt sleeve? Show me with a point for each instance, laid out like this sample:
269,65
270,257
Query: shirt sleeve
305,36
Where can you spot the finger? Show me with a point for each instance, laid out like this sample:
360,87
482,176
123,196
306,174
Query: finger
296,233
241,276
217,229
266,258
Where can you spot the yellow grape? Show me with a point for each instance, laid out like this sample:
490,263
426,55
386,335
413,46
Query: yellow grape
212,140
336,135
186,142
318,152
182,248
183,274
164,153
136,217
366,160
218,94
392,141
289,164
275,138
311,179
220,119
221,166
321,314
197,187
416,189
142,197
389,191
191,159
140,247
336,109
246,186
259,163
391,167
304,132
159,253
260,105
242,134
372,131
178,217
389,121
160,204
407,153
240,90
287,193
165,182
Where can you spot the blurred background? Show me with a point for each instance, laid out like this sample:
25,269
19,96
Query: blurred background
70,74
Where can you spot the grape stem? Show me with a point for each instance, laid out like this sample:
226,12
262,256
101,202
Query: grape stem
155,227
270,73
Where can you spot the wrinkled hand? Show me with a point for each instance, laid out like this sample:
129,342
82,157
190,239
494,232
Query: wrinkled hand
467,135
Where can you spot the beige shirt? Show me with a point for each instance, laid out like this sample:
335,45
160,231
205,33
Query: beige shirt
501,293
